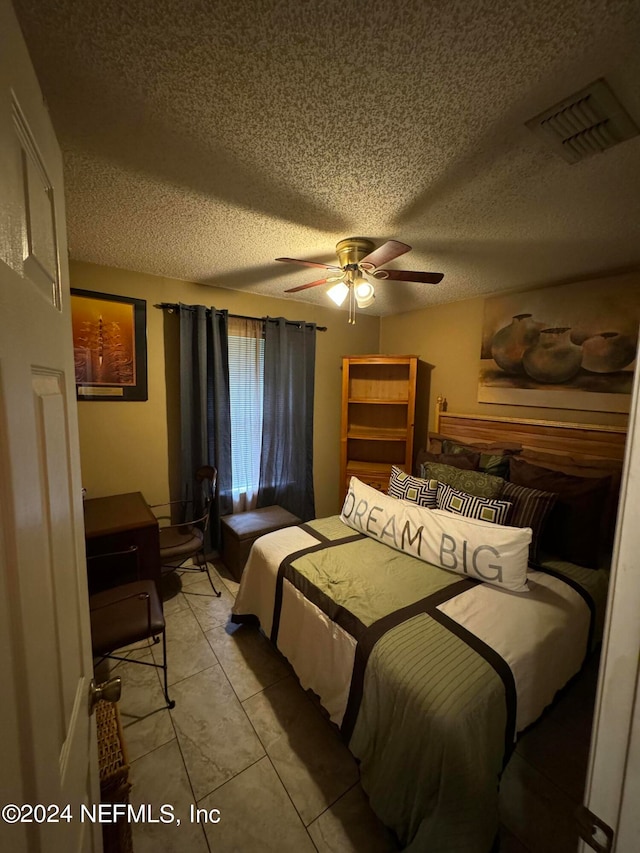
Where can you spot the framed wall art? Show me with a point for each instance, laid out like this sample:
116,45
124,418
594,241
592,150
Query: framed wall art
109,346
567,347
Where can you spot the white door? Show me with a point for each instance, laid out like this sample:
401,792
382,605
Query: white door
47,739
613,778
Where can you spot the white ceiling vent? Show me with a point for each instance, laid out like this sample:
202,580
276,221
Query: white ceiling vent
586,123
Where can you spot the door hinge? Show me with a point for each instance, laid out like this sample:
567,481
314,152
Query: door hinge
593,831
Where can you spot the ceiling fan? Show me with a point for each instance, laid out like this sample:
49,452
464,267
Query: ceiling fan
360,262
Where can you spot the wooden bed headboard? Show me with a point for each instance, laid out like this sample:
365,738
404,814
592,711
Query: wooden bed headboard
576,440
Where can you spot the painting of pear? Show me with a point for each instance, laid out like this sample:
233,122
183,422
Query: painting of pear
554,358
607,352
509,343
581,357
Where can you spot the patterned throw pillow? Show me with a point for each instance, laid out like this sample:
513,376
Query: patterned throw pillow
408,488
456,460
531,508
449,446
495,463
471,506
471,482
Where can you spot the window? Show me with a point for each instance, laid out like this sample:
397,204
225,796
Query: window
246,384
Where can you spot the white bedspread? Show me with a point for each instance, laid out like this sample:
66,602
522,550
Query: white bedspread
542,636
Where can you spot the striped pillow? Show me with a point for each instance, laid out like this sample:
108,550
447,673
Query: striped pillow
471,506
408,488
531,508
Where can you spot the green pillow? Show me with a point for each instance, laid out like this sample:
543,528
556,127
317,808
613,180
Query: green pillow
491,463
472,482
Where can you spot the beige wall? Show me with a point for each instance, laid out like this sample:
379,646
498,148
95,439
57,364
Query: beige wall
133,446
449,338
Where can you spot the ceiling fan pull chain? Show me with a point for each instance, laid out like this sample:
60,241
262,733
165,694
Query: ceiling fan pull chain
352,304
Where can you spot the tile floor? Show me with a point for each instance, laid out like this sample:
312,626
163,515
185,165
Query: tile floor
245,739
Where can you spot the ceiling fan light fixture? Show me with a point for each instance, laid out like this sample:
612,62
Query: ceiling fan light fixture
338,292
361,266
365,293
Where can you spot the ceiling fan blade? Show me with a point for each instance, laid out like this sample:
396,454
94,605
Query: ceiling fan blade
305,286
309,264
385,253
408,275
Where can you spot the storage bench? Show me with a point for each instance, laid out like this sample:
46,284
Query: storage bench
241,530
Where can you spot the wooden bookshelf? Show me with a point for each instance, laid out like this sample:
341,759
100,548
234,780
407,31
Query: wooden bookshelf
378,411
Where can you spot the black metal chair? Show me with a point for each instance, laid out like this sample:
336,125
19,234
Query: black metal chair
127,613
186,540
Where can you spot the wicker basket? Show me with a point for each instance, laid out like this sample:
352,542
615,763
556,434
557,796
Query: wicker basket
114,776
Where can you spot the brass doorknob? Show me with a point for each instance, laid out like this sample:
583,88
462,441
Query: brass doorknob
108,691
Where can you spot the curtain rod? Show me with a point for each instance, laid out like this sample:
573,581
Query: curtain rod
174,306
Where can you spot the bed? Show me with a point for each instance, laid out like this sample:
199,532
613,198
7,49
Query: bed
429,674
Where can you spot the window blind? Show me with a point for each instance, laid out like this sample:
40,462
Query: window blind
246,384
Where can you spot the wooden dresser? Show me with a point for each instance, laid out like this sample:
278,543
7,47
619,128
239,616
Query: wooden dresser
118,522
378,413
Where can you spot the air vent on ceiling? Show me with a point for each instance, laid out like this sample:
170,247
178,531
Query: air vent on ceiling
586,123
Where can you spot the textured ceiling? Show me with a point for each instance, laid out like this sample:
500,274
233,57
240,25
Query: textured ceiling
204,139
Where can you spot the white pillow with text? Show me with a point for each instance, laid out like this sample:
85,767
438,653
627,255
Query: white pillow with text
488,552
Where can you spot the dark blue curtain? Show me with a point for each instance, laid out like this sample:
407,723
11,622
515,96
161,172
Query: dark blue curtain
205,413
286,466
